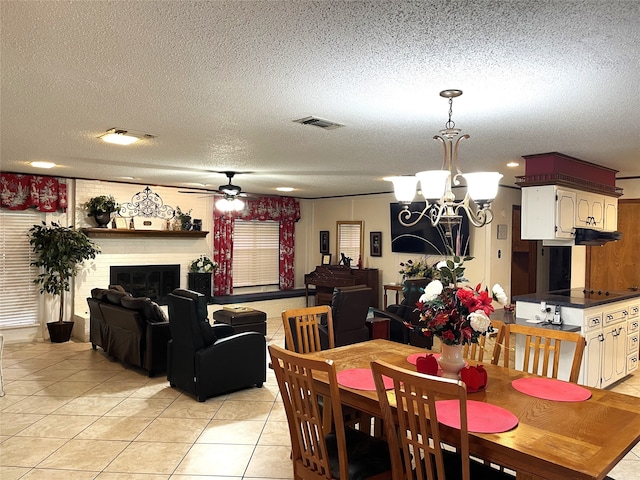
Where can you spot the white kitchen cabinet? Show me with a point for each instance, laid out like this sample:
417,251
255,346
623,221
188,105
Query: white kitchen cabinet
548,213
633,337
589,210
614,353
591,375
610,214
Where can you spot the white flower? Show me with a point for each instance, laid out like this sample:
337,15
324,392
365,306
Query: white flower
431,291
479,321
499,295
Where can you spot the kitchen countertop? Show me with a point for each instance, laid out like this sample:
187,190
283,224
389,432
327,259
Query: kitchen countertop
548,326
577,298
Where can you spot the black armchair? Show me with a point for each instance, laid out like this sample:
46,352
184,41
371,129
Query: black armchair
208,360
349,309
406,312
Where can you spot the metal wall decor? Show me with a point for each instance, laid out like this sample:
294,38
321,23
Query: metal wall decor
146,204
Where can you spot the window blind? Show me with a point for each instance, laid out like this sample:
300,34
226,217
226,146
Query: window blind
256,253
350,236
18,294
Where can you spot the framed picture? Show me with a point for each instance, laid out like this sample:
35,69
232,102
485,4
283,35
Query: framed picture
121,222
375,244
326,259
324,241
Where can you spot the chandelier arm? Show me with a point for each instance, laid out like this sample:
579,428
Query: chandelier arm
455,153
444,151
405,214
479,217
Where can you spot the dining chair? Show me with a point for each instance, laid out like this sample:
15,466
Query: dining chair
542,349
301,328
415,442
476,351
317,452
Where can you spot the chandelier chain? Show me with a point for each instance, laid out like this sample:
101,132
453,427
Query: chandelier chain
450,124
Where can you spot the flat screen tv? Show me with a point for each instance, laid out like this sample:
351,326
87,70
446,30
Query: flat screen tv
423,237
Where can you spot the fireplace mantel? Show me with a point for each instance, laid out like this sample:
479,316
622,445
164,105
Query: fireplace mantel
125,233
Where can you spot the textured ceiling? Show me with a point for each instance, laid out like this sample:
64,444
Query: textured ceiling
219,83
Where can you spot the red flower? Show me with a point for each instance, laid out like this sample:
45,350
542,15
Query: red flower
448,335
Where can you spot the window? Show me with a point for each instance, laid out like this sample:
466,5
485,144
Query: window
256,253
18,294
349,240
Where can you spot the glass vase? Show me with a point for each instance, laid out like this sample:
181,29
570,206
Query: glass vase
451,361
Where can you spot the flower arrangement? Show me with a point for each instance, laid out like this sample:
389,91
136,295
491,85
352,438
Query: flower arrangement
203,264
456,314
419,269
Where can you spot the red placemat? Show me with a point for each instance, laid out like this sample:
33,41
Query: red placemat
360,379
413,358
551,389
481,417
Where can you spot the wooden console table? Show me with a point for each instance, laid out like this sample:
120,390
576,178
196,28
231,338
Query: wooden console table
395,287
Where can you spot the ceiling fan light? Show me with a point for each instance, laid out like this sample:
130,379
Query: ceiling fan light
119,138
433,183
404,187
229,204
482,186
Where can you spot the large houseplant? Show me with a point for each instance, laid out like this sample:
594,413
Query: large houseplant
60,251
100,208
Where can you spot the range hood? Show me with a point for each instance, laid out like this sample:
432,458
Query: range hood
588,236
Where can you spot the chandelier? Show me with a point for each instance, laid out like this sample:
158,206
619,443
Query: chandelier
441,205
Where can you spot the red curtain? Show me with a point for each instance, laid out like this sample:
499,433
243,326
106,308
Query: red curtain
284,210
45,194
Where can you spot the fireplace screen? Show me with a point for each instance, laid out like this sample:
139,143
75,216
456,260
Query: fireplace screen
153,281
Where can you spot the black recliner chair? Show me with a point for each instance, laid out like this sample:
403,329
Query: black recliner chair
208,360
406,312
349,309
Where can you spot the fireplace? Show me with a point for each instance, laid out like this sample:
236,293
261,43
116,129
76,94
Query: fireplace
153,281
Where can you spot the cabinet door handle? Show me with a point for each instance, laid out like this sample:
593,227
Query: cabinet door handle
601,337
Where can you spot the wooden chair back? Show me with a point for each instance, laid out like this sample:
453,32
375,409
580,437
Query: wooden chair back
542,349
476,351
301,328
414,440
294,373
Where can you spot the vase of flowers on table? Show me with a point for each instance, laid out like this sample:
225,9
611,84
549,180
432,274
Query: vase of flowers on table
456,313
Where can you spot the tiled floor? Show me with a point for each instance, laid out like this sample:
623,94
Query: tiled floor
71,413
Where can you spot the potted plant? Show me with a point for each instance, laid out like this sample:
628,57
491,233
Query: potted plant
184,218
60,251
100,208
203,264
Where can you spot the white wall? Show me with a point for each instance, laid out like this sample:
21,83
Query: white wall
373,210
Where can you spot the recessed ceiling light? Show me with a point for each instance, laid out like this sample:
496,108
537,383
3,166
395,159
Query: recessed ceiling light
513,164
43,164
285,189
123,137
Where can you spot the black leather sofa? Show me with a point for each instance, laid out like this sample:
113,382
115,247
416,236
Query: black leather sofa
132,330
208,360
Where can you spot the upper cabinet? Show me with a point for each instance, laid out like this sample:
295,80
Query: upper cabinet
550,212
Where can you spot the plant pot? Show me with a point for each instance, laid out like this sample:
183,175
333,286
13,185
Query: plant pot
102,219
60,332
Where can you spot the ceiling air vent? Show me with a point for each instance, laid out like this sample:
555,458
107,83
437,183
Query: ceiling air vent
318,122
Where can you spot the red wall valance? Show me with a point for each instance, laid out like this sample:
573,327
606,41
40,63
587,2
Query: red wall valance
45,194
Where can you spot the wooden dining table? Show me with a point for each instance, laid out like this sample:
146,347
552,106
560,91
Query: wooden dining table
553,440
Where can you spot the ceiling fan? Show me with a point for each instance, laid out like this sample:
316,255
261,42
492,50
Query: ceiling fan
230,192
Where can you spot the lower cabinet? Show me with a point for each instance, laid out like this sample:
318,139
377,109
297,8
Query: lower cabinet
611,351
